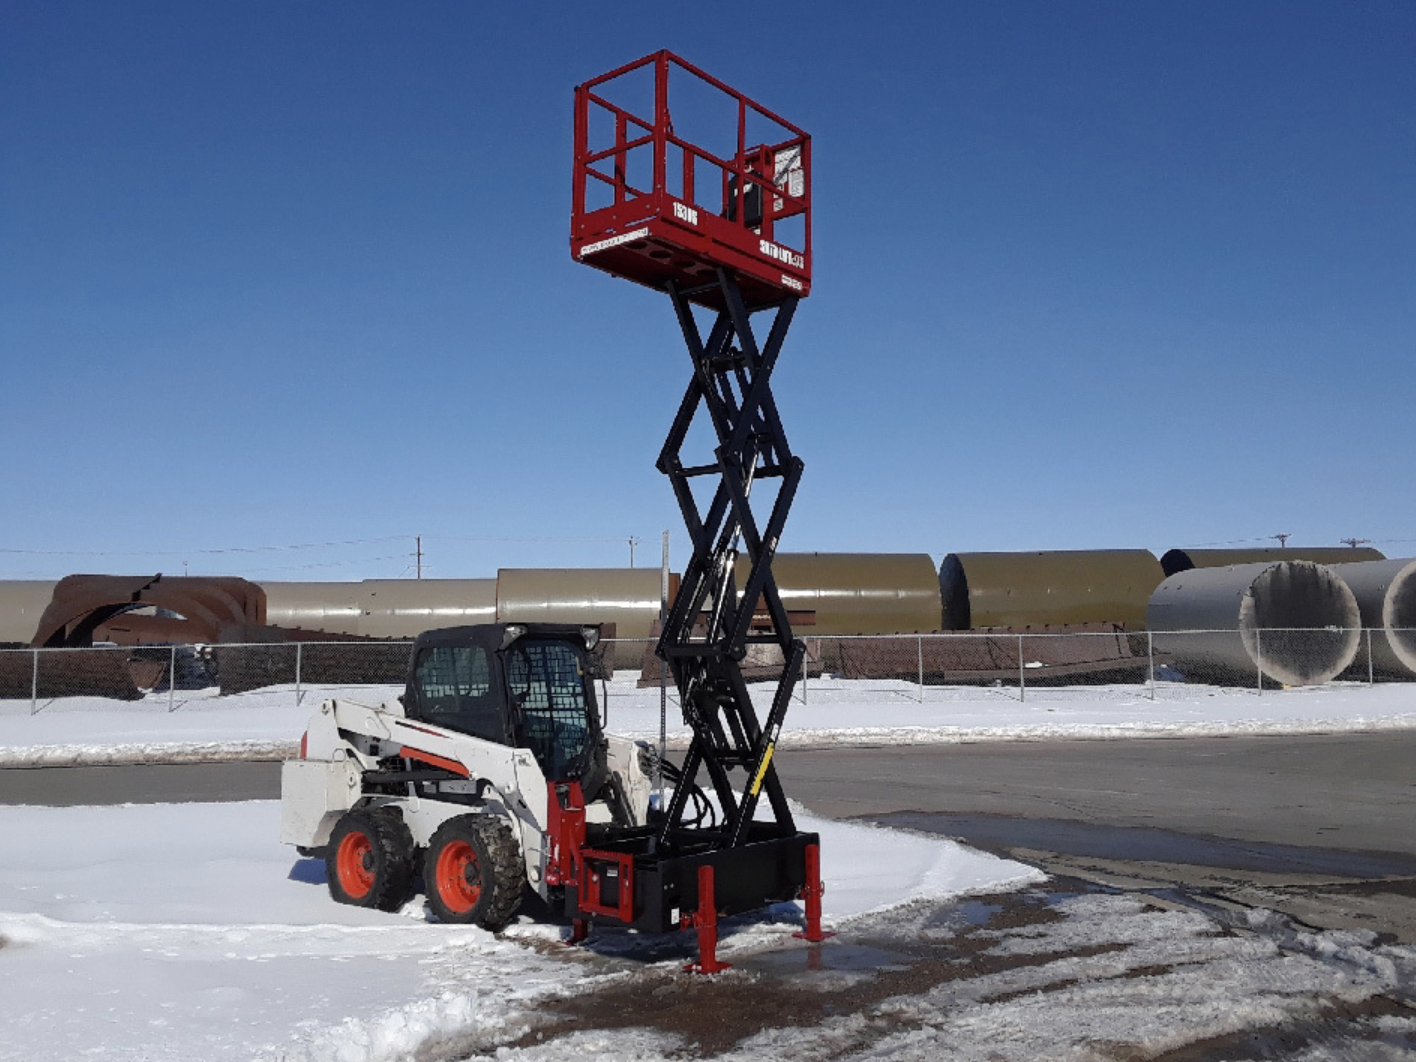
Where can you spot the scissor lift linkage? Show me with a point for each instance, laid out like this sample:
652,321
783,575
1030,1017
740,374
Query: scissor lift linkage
731,379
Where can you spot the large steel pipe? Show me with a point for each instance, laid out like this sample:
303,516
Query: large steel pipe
1295,622
856,593
328,607
1047,587
626,597
381,608
22,603
1386,595
1175,561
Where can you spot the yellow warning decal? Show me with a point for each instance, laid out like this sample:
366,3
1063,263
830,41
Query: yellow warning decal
762,771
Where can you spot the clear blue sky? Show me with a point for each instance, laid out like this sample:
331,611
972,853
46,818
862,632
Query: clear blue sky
1086,275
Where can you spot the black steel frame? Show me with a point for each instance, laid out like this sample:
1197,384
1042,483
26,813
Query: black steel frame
732,382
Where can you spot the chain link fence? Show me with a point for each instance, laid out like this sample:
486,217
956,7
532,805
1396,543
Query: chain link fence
961,665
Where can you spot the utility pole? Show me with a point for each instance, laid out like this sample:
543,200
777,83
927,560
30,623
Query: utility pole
1354,542
418,542
632,543
1282,540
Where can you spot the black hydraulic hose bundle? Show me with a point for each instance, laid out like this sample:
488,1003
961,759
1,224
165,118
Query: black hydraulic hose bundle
699,811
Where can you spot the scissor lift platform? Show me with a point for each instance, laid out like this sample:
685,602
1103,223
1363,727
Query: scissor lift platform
652,207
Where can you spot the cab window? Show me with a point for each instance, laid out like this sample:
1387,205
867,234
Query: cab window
454,687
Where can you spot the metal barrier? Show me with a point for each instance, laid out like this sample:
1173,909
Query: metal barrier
956,665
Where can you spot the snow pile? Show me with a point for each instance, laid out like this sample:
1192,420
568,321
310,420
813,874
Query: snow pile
186,931
267,724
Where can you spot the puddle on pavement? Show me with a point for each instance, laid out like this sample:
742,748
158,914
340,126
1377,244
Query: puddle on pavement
1003,834
830,957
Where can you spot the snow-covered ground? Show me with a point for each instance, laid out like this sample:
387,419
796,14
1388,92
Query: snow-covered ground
188,932
268,723
177,932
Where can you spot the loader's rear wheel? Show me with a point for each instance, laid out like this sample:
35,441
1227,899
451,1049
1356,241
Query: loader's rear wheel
369,860
473,872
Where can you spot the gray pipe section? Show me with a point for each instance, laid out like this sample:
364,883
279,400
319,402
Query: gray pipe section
1176,561
22,603
381,608
1295,621
1386,595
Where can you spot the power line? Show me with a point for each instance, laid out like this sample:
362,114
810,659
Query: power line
331,564
207,551
190,552
527,538
1230,542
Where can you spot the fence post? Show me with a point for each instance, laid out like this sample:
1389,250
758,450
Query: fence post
1259,656
34,685
172,681
805,673
299,696
1371,671
921,668
1150,657
1022,672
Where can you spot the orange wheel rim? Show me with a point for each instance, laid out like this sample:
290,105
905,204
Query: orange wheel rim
459,882
355,865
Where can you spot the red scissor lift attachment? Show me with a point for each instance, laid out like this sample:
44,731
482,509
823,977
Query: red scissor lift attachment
651,206
728,229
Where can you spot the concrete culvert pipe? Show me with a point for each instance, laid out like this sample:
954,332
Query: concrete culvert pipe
1295,621
1386,595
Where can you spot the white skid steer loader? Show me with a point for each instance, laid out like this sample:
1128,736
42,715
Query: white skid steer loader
467,778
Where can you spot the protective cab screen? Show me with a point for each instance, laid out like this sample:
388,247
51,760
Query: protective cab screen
547,681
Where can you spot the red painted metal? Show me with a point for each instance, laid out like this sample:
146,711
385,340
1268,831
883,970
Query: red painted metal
705,920
812,892
597,871
565,831
744,218
579,930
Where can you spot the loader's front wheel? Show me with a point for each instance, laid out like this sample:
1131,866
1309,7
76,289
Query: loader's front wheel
473,872
369,860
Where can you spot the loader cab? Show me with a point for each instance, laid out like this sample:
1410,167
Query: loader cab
522,685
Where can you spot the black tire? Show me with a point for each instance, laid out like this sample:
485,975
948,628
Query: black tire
370,860
473,872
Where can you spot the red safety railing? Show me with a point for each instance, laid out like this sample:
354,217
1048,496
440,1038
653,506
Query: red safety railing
653,206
